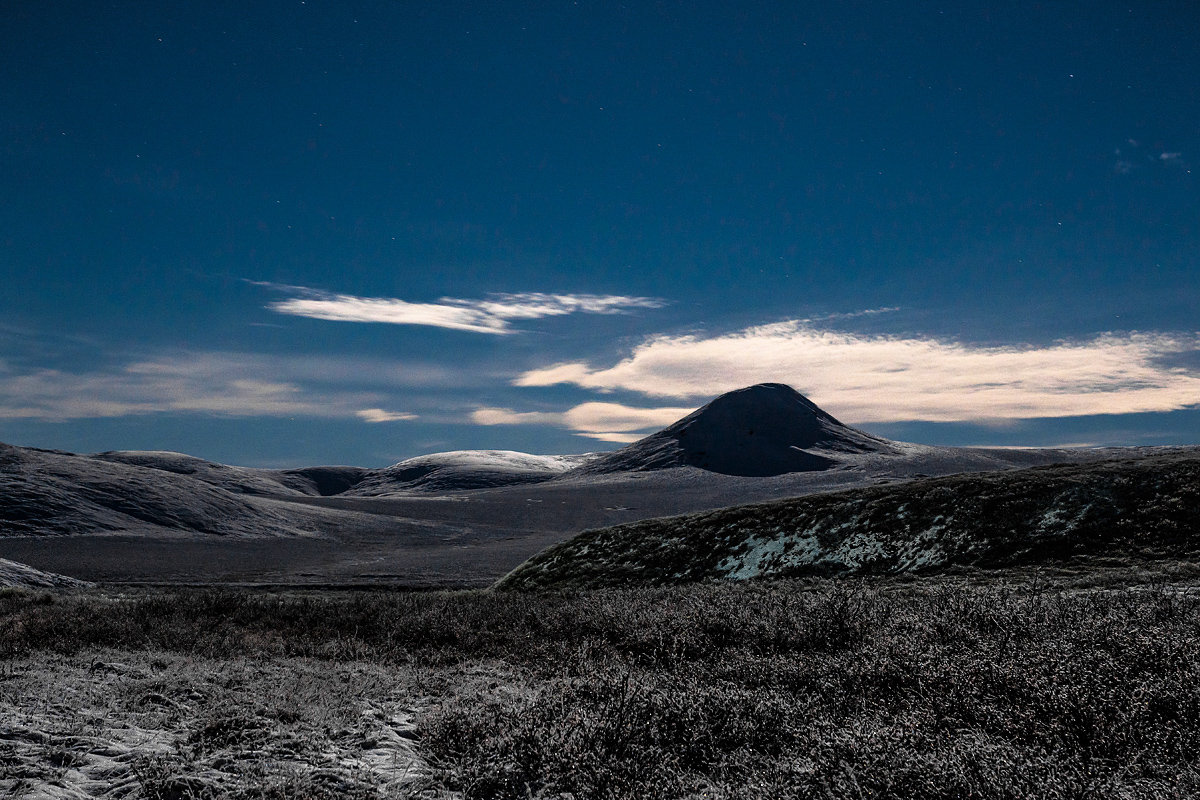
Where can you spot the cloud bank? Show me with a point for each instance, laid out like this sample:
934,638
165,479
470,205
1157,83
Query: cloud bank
863,378
493,315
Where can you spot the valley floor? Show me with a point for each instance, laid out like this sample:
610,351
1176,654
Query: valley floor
992,685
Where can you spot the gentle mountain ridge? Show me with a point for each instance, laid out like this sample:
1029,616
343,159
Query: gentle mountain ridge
238,480
457,470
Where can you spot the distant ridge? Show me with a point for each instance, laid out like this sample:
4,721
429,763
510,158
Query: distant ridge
762,430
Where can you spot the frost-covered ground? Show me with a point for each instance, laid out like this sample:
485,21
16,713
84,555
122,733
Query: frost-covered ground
120,723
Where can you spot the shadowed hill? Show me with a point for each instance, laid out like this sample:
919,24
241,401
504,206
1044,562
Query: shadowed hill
321,481
1144,508
762,430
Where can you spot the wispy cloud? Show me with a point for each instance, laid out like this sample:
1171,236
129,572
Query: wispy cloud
609,422
379,415
867,312
492,315
220,383
870,378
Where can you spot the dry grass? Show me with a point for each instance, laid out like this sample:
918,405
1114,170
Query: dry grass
937,687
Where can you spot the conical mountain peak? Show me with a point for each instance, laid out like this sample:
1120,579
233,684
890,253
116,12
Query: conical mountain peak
766,429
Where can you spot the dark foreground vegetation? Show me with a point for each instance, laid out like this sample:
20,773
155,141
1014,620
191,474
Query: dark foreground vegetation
951,687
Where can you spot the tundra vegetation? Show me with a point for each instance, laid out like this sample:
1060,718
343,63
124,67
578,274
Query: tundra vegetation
980,684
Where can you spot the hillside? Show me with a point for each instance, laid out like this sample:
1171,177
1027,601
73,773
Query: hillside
1143,508
238,480
458,470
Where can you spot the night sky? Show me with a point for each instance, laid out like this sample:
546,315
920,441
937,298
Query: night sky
288,233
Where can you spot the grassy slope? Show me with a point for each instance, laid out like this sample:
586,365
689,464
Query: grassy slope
928,688
1143,508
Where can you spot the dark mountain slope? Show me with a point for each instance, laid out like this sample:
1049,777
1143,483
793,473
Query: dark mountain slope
1144,508
762,430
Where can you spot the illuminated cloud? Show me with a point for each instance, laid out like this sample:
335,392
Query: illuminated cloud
379,415
618,438
608,422
866,378
492,315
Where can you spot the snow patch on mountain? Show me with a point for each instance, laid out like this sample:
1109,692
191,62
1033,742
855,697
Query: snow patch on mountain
460,470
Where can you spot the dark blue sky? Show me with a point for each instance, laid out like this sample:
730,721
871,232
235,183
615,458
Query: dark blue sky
232,229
